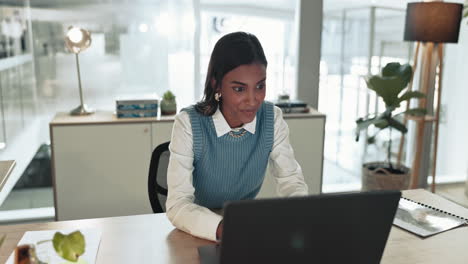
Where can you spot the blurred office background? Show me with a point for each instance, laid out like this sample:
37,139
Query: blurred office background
149,46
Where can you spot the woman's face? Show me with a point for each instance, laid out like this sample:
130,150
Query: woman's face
242,93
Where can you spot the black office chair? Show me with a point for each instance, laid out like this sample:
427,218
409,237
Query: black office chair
157,178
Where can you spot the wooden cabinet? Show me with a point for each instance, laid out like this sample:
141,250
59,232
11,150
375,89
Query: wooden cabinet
161,132
98,169
101,163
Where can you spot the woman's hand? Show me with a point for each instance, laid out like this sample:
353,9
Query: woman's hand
219,230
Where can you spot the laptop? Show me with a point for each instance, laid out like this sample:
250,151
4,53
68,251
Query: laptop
328,228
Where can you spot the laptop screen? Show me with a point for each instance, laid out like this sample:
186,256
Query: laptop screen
329,228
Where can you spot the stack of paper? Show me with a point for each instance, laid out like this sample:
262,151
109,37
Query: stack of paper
424,220
46,252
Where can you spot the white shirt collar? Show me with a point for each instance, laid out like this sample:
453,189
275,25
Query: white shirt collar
222,127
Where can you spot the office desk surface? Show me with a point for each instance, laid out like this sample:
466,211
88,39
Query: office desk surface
147,238
151,238
447,247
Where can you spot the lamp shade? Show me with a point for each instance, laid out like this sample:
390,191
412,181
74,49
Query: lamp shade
77,39
433,21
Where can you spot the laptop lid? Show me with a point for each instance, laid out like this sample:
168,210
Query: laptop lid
329,228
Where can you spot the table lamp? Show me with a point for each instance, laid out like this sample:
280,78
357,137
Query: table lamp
77,40
431,23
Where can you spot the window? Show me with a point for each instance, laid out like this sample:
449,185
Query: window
355,42
279,45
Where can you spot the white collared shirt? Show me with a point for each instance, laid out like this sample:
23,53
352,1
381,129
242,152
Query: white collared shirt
198,220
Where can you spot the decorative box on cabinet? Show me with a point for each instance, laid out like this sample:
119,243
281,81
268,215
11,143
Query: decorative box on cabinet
100,163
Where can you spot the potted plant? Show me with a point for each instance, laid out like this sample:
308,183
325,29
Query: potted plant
390,87
168,104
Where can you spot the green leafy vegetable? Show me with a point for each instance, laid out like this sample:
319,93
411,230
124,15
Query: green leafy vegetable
69,247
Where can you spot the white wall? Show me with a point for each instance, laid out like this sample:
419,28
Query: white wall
310,31
452,157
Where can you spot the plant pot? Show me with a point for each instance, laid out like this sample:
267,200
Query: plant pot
378,176
168,107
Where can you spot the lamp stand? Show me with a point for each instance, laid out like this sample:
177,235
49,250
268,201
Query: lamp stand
437,117
420,122
82,109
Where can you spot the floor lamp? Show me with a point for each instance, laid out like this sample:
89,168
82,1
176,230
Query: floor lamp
432,24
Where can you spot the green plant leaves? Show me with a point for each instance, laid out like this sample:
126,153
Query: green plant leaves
387,88
395,77
409,95
363,124
69,247
396,69
389,85
371,140
168,96
392,122
415,112
380,122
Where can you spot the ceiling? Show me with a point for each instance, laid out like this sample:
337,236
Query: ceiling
54,3
279,5
273,4
340,4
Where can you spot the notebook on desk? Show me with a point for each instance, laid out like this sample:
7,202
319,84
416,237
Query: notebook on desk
330,228
425,220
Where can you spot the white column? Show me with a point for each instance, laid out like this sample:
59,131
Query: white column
309,42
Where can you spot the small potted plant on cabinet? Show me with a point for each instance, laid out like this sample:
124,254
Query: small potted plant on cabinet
390,87
168,104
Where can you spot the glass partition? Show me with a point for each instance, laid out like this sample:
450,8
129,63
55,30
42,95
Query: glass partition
279,45
17,80
355,42
138,47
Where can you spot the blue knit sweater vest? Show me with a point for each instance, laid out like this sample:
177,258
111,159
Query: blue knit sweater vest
229,168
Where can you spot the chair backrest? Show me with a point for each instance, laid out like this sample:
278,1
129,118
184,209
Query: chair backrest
157,178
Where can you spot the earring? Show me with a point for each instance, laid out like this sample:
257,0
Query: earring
217,96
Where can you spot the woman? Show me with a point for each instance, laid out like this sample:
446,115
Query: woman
221,146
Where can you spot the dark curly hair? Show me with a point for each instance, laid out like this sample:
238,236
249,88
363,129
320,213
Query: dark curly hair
231,51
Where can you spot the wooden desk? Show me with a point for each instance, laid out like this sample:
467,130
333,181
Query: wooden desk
6,166
447,247
126,239
145,238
